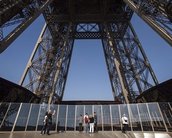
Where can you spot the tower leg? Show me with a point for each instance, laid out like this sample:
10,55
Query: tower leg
48,66
155,14
129,69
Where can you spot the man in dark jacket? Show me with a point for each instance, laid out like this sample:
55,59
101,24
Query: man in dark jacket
50,114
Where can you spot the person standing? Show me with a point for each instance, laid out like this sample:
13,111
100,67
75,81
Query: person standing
95,122
45,122
80,123
91,118
124,120
86,122
50,121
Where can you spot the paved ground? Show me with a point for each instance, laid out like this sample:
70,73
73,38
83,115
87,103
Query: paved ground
72,134
63,135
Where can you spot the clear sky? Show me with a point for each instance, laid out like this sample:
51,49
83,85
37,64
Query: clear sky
88,76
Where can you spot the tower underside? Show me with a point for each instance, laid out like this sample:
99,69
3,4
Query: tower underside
46,73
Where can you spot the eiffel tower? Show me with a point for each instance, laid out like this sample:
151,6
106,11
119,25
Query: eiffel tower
129,70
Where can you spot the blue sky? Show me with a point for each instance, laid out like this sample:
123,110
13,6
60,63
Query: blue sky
88,76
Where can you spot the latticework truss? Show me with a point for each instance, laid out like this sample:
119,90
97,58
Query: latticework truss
129,70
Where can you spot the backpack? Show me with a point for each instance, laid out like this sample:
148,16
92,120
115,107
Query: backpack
86,119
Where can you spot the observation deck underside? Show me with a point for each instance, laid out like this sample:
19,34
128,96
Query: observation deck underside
11,92
88,10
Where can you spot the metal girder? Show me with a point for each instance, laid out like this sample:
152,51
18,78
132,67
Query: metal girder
87,31
10,8
138,71
86,35
92,18
1,34
66,20
114,65
47,69
156,14
129,69
30,13
78,11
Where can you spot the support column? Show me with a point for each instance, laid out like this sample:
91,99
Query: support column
151,19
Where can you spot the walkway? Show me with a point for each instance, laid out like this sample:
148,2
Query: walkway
72,134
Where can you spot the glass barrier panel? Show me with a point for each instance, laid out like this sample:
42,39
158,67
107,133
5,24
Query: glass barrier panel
33,117
170,105
141,116
167,114
22,117
124,112
79,111
3,110
106,118
134,117
62,118
88,109
116,123
71,117
97,109
10,117
156,117
145,118
54,108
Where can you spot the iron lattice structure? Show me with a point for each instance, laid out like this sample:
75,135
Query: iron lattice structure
46,73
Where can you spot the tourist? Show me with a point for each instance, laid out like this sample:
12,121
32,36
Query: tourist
49,124
86,122
124,120
91,122
45,122
80,122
